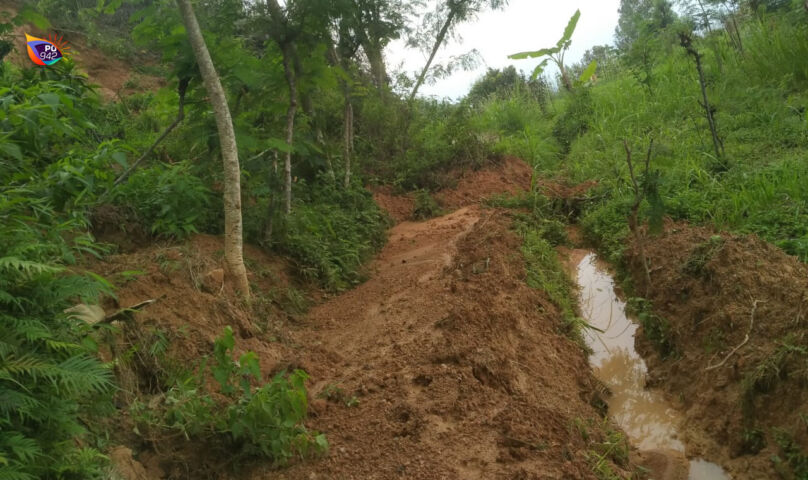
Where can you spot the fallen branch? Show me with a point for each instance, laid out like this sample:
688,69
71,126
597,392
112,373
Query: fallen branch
745,340
126,311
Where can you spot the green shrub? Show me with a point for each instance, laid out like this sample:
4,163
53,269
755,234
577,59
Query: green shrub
425,206
264,421
332,234
575,120
167,198
545,272
795,457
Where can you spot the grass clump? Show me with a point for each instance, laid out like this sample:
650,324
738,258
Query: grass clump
608,448
656,328
791,457
545,272
332,234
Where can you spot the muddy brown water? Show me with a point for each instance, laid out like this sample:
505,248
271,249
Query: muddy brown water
650,422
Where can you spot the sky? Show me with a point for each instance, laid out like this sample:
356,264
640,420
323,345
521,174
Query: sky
522,25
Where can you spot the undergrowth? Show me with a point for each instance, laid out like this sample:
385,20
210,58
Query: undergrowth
243,417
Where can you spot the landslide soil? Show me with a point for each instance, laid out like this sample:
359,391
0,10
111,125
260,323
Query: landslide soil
451,366
444,364
737,394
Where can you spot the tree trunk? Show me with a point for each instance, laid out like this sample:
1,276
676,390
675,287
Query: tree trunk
713,41
348,140
565,78
438,42
708,110
377,68
290,127
233,254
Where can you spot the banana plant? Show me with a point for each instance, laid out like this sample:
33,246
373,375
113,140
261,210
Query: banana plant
556,55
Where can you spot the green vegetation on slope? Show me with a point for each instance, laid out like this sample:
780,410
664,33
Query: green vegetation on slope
62,149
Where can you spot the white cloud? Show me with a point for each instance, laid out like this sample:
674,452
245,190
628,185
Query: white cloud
522,25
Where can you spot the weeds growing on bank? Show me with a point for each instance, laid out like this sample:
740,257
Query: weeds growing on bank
244,417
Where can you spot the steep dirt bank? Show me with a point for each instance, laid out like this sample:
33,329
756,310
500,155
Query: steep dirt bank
447,364
736,311
444,364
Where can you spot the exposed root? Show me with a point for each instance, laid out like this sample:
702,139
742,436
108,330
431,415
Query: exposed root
745,340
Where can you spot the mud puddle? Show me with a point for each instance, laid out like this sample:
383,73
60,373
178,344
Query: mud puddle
649,421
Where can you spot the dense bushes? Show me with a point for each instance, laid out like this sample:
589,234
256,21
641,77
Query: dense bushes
169,198
48,375
331,232
50,381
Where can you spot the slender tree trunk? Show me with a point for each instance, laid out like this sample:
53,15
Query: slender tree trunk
377,68
308,109
290,127
686,42
708,110
348,140
234,258
737,33
565,78
438,42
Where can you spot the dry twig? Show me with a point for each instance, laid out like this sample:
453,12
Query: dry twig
745,340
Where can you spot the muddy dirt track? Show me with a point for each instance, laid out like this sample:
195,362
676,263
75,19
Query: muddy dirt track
447,364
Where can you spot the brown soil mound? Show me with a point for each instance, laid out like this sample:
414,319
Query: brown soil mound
508,175
445,364
399,207
737,311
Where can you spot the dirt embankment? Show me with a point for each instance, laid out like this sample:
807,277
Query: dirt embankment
449,364
444,364
510,175
736,308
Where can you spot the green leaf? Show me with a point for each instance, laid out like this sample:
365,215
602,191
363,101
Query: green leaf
29,15
590,70
570,29
321,442
535,54
12,150
539,69
120,158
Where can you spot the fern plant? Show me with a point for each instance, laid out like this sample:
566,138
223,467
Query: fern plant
263,422
47,374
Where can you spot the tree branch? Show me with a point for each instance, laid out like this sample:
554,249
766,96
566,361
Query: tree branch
181,89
